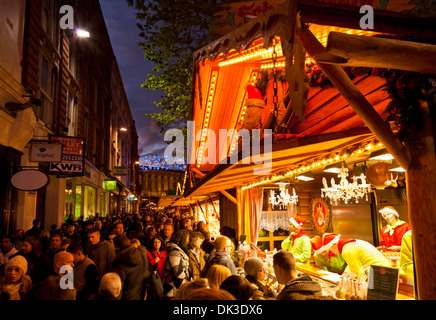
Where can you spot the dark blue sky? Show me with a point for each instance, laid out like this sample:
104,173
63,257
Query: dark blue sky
123,32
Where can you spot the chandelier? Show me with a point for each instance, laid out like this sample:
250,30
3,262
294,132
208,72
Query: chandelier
284,198
344,190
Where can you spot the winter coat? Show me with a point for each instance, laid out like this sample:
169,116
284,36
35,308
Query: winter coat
300,288
103,254
176,270
131,264
160,266
50,289
196,262
222,258
38,266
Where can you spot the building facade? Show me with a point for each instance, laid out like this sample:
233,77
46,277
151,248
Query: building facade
55,87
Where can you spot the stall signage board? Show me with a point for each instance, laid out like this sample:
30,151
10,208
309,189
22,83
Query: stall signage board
382,283
73,161
46,152
120,171
110,185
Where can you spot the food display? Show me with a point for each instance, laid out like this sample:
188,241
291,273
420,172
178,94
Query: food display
350,288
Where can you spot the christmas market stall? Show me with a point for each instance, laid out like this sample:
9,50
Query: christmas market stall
291,113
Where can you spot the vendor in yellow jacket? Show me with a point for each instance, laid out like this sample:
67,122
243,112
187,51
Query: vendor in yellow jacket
406,258
298,242
358,254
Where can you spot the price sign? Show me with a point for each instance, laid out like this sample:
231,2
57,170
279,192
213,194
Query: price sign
382,283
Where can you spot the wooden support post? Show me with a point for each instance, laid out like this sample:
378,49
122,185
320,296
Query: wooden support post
229,196
196,171
421,190
357,100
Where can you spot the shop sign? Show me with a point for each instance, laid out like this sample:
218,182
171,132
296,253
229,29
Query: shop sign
73,161
132,197
120,171
110,185
46,152
29,180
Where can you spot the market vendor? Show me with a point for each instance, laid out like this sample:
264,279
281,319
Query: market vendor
393,232
298,242
358,254
406,258
326,259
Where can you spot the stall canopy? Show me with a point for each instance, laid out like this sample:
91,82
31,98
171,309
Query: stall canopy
284,154
328,76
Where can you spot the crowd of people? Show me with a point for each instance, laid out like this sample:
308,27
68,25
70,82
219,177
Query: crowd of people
167,256
148,256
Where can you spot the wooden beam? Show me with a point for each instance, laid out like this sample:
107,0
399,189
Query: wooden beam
358,101
421,189
346,16
196,171
229,196
363,51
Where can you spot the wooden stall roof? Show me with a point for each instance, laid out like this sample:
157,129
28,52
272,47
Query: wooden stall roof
327,111
284,154
180,200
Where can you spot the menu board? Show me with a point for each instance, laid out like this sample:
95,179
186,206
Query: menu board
382,283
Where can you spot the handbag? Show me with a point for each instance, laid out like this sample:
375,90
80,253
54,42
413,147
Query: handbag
156,286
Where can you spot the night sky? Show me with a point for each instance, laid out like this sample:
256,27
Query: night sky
123,32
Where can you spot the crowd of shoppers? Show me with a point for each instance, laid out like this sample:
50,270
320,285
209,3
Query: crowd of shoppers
147,256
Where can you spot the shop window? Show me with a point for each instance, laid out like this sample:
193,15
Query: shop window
274,225
89,202
69,203
78,202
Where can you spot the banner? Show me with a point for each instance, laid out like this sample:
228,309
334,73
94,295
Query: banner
73,161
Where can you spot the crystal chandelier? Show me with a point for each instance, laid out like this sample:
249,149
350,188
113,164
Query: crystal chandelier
284,198
344,190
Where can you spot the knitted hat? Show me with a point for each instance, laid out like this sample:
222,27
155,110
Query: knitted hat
328,241
297,222
389,209
252,266
17,261
254,97
316,242
121,241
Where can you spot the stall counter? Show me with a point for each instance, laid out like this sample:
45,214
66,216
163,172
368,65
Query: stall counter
334,279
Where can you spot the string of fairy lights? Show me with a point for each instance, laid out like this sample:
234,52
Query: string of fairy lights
351,152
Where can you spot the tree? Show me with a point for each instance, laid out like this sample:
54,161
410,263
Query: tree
171,31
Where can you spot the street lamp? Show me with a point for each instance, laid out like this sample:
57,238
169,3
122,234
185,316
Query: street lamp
82,33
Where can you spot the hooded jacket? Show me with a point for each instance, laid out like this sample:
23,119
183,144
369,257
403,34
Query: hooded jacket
131,264
222,258
176,269
300,288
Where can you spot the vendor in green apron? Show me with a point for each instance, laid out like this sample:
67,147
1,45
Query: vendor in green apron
324,258
298,242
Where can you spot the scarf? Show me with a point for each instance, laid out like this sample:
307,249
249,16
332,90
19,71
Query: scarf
298,235
331,254
391,228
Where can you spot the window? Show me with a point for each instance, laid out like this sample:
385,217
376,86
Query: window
47,87
274,224
71,115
